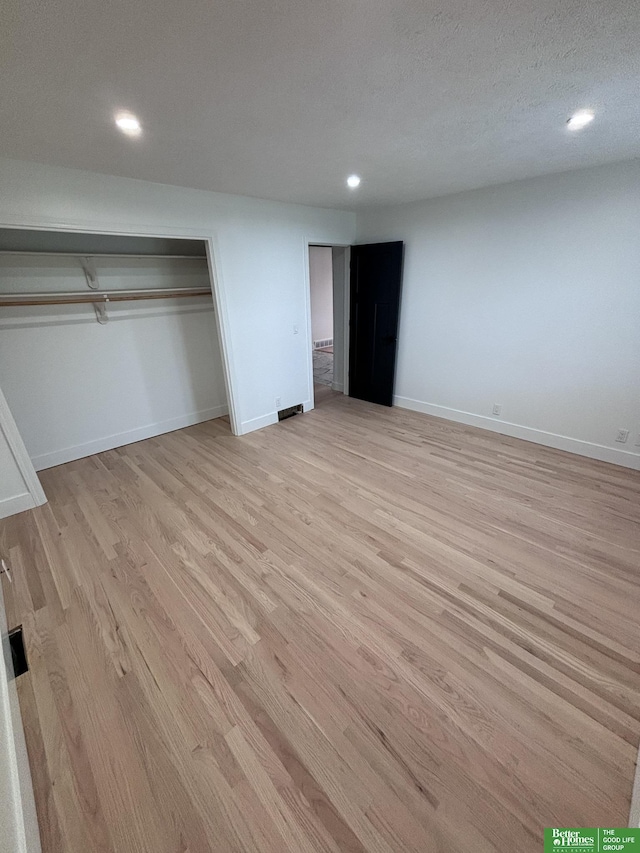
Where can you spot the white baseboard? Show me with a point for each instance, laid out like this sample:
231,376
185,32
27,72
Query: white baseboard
549,439
15,504
108,442
337,386
258,423
268,420
634,814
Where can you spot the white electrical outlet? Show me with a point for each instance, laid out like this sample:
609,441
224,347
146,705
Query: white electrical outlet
278,401
622,436
497,409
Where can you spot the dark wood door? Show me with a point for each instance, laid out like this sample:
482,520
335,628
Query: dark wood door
376,277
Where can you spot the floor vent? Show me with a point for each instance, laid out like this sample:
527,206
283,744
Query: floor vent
290,412
328,342
18,653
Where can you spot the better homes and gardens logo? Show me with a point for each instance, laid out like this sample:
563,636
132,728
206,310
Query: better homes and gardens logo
592,840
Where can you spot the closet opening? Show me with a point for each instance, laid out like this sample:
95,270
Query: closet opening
107,339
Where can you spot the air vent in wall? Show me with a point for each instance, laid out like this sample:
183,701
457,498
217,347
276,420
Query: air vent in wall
290,412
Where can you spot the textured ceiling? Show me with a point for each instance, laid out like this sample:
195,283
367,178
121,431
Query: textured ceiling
284,99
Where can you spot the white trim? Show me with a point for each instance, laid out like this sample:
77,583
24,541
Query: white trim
634,812
347,320
14,765
14,441
46,223
222,324
538,436
108,442
16,504
341,315
258,423
12,805
268,420
306,244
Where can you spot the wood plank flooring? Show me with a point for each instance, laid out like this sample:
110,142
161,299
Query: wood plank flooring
361,629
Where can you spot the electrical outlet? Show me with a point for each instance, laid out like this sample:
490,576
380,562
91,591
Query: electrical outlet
278,402
497,409
622,436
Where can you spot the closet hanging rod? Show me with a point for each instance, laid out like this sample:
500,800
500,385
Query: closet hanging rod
15,299
100,255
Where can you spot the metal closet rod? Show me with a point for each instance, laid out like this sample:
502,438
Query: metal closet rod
14,299
99,255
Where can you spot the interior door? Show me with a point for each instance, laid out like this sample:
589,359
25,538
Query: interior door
376,277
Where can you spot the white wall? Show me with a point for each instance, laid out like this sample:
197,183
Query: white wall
527,295
76,387
260,252
321,278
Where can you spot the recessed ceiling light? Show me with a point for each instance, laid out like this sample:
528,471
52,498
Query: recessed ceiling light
580,119
353,181
128,124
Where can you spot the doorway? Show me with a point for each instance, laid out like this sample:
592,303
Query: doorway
329,295
321,283
353,318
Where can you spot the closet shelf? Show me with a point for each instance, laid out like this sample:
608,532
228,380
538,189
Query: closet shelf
129,255
15,299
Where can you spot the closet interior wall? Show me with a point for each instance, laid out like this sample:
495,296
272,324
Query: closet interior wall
75,386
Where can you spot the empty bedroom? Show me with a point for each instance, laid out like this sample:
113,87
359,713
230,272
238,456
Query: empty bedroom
320,427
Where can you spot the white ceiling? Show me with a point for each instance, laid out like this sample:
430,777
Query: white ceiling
283,99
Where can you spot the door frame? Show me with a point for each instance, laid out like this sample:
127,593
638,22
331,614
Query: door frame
308,243
34,495
219,305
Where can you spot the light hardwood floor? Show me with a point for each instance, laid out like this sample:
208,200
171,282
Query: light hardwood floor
361,629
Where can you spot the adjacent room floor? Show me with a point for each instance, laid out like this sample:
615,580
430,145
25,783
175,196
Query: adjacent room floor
323,366
361,629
